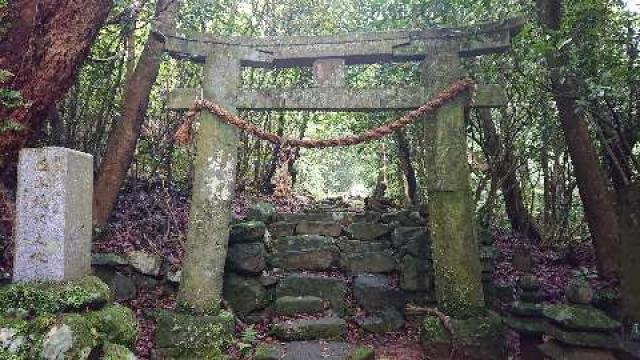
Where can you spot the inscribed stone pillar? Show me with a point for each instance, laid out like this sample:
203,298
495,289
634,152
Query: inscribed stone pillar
213,188
456,257
53,215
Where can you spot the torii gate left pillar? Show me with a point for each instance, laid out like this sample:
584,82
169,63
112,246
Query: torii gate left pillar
214,176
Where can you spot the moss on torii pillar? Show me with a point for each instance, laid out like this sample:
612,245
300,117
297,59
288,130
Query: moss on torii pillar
456,258
213,189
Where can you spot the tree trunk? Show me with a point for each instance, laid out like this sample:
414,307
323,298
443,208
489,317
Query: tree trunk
45,43
408,172
596,199
266,186
123,139
503,170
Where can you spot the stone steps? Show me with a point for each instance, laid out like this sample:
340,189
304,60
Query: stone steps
333,290
313,350
292,305
330,327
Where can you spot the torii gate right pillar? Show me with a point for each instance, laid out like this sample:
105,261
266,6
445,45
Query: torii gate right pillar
456,258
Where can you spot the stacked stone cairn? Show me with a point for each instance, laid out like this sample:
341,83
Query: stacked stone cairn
575,330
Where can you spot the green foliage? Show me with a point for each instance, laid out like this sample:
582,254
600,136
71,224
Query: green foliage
50,298
9,99
599,37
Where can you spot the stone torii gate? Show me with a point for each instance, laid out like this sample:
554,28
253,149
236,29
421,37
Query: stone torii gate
455,250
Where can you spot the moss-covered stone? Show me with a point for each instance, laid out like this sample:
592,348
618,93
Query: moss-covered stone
108,259
71,336
329,328
332,289
47,298
521,308
266,352
248,231
182,336
362,353
244,294
261,211
481,337
580,317
116,352
288,305
116,324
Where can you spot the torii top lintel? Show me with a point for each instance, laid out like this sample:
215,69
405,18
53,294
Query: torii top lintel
365,48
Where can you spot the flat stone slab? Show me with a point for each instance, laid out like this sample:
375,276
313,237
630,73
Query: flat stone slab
281,229
557,351
321,350
248,231
326,228
376,292
313,260
289,305
415,274
580,317
348,246
302,242
247,258
369,262
381,322
367,231
316,350
331,289
327,328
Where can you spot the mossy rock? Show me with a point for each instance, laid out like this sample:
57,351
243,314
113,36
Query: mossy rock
521,308
246,232
266,352
328,328
261,211
116,324
362,353
580,317
116,352
297,304
184,336
48,298
72,336
481,337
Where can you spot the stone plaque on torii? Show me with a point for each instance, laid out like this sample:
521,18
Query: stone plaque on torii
456,257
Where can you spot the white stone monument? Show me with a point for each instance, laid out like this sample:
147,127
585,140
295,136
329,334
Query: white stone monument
53,215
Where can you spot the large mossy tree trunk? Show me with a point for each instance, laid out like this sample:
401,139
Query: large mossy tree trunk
43,44
596,198
214,177
124,137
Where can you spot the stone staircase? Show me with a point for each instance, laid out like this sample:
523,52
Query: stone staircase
337,269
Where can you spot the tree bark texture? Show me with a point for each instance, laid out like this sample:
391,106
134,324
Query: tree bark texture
124,137
408,172
45,43
503,170
592,185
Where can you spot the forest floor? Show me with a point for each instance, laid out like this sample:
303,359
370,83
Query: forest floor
154,219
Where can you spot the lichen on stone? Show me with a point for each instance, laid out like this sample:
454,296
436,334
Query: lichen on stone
35,299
